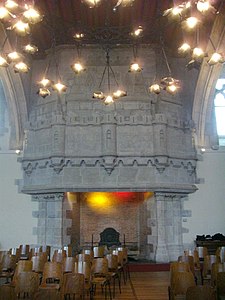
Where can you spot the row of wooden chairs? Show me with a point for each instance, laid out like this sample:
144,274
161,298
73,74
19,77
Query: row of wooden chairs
185,272
112,268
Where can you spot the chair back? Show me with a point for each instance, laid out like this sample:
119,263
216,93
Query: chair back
84,257
88,251
189,259
27,284
68,264
181,282
202,252
24,251
38,263
220,284
220,251
52,272
59,255
99,251
99,266
84,268
46,249
200,292
8,262
22,266
73,286
112,262
68,250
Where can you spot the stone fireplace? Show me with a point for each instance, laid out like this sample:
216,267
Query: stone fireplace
141,144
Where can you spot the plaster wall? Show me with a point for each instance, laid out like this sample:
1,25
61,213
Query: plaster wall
207,205
16,221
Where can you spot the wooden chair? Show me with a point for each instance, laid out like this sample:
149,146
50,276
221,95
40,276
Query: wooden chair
59,255
100,275
38,262
216,268
22,266
84,267
207,267
47,249
202,252
7,266
220,285
34,251
52,276
84,257
89,252
114,271
24,251
220,252
200,292
121,267
27,285
181,282
68,264
99,251
68,250
175,267
73,286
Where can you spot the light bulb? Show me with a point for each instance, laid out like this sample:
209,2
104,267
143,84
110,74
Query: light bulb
198,53
108,100
14,56
59,87
4,13
32,16
155,88
191,22
21,67
45,82
21,28
77,67
30,48
119,94
215,58
3,62
43,92
134,67
184,48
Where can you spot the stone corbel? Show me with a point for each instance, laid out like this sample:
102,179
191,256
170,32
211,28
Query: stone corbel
57,163
161,162
109,163
28,167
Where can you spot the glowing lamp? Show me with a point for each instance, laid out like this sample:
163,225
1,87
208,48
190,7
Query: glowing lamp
21,67
32,16
3,62
134,67
108,100
119,94
215,59
43,92
77,68
155,88
59,87
31,49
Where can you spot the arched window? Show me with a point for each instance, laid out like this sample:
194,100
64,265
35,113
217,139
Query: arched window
219,103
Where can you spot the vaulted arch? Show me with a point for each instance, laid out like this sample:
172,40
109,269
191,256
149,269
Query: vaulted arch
203,114
16,100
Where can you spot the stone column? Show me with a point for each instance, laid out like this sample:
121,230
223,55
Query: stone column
169,243
50,216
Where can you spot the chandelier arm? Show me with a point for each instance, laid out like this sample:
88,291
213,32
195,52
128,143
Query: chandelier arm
166,60
108,73
103,74
114,76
